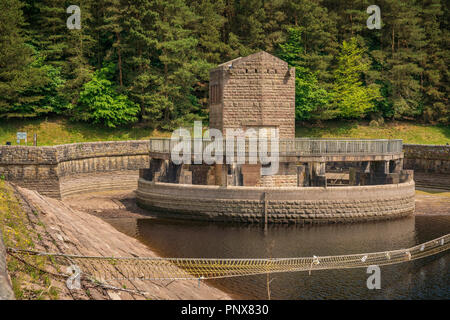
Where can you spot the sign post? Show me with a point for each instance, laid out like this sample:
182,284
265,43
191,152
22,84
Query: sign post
21,136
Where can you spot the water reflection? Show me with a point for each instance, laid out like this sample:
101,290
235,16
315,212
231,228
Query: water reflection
427,278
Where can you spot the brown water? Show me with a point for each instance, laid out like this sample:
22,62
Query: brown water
422,279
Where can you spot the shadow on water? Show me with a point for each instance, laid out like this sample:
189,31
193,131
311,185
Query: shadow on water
422,279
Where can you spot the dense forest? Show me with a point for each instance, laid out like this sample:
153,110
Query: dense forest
147,61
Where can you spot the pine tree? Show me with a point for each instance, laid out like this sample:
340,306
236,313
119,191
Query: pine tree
67,50
163,64
19,72
406,42
435,63
311,100
352,98
319,36
163,50
79,51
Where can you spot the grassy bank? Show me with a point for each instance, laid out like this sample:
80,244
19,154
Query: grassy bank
61,131
407,131
27,276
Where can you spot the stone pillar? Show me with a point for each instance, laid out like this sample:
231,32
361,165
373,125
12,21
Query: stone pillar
224,175
154,173
173,172
251,174
318,177
396,166
200,173
353,177
211,176
185,175
302,180
221,173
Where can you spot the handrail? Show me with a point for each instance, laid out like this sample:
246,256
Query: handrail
297,146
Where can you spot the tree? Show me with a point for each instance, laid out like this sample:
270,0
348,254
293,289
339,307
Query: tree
101,103
164,67
319,36
310,99
19,73
67,50
163,51
352,98
405,42
434,63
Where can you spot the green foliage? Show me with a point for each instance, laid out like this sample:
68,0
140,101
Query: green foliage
163,51
352,99
19,73
48,96
310,98
101,103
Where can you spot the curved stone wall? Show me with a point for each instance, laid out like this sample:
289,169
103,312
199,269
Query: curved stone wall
50,169
92,157
281,205
103,181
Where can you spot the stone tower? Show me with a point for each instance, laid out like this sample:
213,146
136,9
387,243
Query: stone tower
257,91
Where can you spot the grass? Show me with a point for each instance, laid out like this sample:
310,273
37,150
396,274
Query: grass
429,192
407,131
55,131
28,282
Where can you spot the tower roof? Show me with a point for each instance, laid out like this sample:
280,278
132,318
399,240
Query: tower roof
258,56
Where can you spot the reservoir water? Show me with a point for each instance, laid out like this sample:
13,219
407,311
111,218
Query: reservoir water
427,278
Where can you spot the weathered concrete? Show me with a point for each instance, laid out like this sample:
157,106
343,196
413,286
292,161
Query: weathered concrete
6,292
285,204
70,230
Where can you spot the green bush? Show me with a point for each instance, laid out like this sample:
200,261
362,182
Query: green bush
101,103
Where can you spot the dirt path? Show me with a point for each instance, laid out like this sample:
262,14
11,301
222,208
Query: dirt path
71,230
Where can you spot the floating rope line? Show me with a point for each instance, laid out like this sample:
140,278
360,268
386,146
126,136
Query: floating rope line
142,268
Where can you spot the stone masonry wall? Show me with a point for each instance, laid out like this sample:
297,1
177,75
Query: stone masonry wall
253,92
31,167
431,165
281,180
102,157
282,205
427,158
46,168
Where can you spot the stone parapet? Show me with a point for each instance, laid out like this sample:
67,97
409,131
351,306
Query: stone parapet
427,158
44,169
284,205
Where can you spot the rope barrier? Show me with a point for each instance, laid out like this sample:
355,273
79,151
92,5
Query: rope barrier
150,268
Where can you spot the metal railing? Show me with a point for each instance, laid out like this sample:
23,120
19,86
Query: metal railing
294,147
